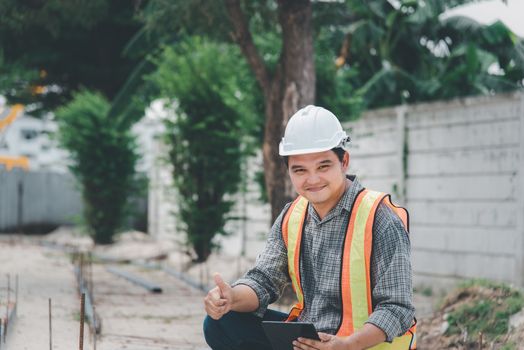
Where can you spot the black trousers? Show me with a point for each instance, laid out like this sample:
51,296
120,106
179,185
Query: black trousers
239,331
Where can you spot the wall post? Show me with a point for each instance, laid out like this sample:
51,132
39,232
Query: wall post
402,153
519,254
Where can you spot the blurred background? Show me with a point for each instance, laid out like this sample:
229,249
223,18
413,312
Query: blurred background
148,130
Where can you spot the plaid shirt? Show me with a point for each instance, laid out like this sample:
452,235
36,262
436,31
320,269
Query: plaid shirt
320,264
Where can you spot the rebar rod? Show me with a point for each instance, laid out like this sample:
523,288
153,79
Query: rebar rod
6,321
90,313
94,332
16,294
11,318
90,285
81,257
82,317
50,328
8,290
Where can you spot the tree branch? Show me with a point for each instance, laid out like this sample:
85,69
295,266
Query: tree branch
242,36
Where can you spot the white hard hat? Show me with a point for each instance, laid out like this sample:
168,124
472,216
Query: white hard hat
310,130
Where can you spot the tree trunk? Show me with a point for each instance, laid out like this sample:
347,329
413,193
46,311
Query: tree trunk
291,87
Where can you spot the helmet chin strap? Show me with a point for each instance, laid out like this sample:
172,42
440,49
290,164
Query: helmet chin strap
345,142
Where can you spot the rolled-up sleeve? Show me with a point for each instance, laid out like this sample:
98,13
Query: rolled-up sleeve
391,275
270,275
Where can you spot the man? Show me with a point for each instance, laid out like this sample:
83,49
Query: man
345,250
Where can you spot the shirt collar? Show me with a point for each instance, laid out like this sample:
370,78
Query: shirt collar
345,203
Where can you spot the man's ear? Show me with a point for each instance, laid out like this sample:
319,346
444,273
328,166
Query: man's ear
345,161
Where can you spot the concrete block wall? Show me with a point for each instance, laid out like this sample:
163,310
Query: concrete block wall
460,174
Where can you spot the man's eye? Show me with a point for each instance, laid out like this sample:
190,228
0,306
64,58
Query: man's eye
323,167
299,171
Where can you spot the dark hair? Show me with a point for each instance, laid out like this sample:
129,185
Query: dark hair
339,151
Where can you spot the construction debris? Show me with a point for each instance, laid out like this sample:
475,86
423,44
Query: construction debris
475,316
153,288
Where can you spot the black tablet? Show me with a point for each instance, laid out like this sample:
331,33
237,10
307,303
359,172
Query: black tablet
282,334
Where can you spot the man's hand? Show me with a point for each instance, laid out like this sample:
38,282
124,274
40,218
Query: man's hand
367,337
219,300
328,342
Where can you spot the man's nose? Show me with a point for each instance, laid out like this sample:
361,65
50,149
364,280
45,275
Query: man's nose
312,178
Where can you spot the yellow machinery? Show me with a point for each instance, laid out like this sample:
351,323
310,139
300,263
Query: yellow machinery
11,162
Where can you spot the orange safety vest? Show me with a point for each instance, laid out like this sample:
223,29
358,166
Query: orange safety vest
356,258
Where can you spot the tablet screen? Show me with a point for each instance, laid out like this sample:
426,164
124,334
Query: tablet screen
282,334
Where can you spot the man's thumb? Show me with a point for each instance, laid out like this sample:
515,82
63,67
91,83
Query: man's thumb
324,336
220,283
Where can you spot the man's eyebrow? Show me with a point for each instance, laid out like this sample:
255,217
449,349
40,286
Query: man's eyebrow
294,167
326,161
322,162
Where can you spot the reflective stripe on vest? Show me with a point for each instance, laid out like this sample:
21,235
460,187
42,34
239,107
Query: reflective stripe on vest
292,233
356,258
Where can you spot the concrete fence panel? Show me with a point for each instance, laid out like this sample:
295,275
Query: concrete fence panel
30,199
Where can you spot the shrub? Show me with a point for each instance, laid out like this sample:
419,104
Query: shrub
103,161
207,135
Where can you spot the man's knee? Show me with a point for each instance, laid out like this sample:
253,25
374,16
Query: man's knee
212,332
235,330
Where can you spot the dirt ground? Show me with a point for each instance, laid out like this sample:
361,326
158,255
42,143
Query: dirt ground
132,318
43,274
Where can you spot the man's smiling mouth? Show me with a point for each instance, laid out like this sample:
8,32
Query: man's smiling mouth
316,188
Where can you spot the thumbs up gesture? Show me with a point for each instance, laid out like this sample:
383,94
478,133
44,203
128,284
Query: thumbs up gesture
219,300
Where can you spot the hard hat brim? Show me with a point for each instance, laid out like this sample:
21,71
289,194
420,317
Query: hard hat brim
282,152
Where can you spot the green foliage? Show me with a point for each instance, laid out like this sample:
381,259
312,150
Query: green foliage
509,346
335,88
103,161
212,98
481,282
196,64
397,52
69,44
406,53
426,291
168,18
261,183
487,309
14,76
52,16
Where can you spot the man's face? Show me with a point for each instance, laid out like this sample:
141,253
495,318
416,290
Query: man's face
319,177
